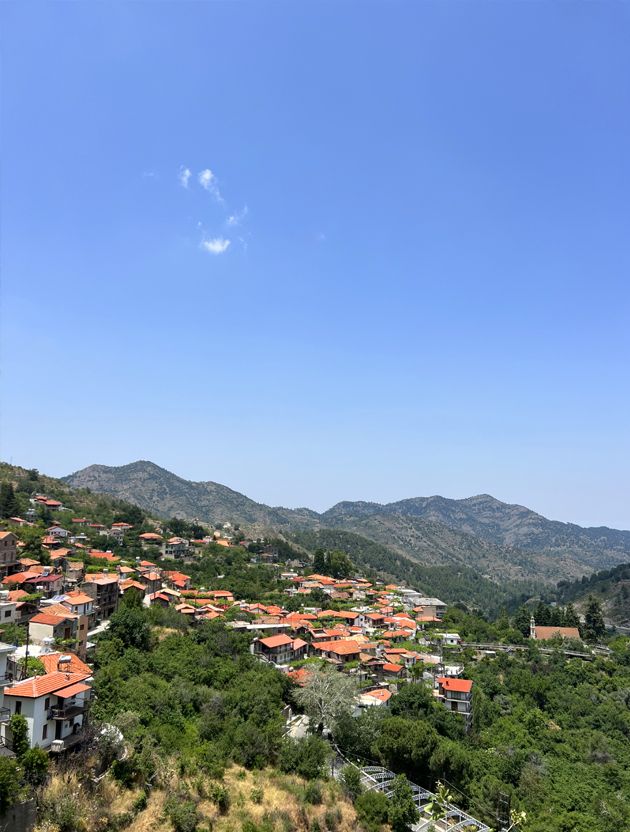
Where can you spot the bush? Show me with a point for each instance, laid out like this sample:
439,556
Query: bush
332,819
9,783
182,814
306,757
313,793
371,808
34,764
220,796
351,781
257,795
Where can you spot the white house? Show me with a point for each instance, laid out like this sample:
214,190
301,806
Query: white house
8,609
54,706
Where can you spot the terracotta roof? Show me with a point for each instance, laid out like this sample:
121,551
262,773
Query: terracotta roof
300,676
276,641
43,579
457,685
129,584
43,685
343,647
5,534
77,597
381,694
543,633
51,620
75,665
393,668
17,578
79,687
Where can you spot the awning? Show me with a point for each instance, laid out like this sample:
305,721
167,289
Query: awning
66,693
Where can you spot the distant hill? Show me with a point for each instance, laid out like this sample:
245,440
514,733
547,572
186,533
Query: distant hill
610,586
499,540
158,490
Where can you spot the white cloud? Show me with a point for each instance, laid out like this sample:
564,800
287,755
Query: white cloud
208,182
183,176
217,245
237,217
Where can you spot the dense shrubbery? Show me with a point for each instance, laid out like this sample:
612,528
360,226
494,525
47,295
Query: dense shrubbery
550,737
199,694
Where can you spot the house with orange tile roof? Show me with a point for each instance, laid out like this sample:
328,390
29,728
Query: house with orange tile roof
341,650
54,625
49,583
54,706
280,649
456,694
379,697
103,588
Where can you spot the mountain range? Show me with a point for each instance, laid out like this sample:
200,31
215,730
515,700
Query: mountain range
500,541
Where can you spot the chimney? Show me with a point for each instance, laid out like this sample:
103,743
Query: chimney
532,628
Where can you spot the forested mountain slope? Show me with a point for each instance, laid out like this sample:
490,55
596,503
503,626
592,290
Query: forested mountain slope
500,541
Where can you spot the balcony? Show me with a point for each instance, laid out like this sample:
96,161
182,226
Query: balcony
64,744
67,711
5,714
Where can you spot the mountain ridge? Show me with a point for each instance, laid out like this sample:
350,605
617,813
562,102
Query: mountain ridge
503,540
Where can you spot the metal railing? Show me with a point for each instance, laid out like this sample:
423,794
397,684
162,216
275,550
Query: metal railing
453,819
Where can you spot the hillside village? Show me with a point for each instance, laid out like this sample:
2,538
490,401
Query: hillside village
64,574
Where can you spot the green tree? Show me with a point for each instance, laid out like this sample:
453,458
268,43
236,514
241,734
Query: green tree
571,618
319,562
10,785
521,620
33,667
19,735
402,811
371,808
34,764
9,505
351,780
594,626
129,624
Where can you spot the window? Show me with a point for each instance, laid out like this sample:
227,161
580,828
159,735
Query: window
18,706
44,732
47,704
7,614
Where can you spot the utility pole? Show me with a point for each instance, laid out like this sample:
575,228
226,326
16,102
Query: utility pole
25,670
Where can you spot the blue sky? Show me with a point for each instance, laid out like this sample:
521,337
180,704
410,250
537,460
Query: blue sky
425,288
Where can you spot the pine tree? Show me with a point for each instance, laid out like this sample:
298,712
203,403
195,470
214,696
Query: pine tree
319,562
571,618
521,620
542,614
9,506
594,626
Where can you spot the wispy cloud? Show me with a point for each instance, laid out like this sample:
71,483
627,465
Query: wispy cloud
216,245
184,176
237,217
208,182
